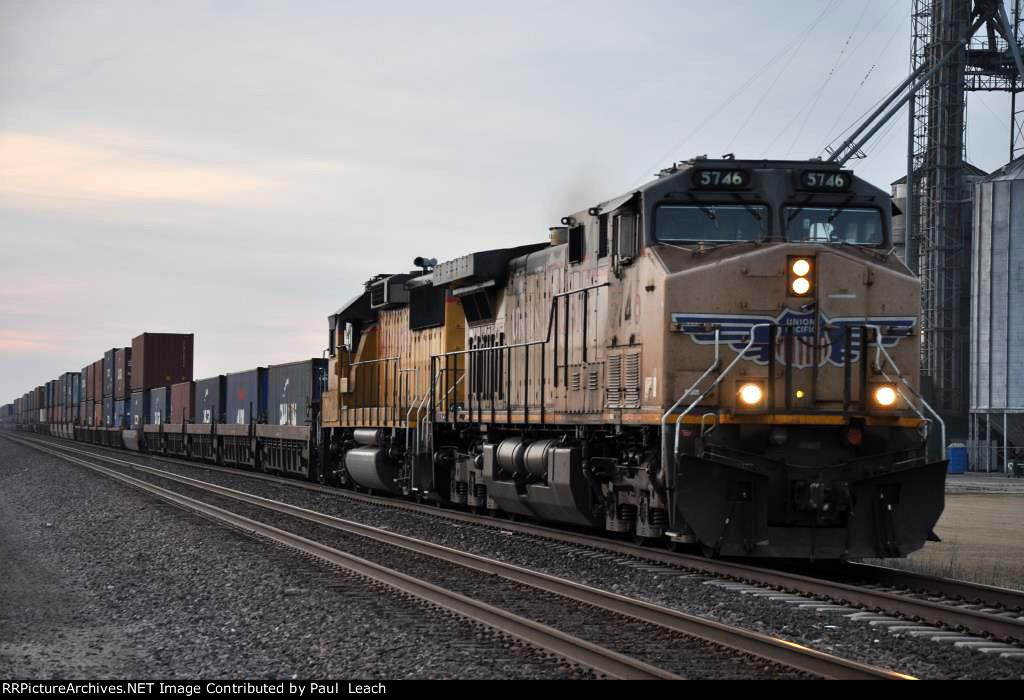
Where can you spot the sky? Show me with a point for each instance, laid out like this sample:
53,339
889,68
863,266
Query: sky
238,169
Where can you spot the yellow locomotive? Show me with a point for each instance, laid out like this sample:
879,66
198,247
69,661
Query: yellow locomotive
727,356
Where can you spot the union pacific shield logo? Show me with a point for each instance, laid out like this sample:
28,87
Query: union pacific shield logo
828,343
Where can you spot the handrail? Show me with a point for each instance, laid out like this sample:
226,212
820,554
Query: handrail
419,409
718,381
879,353
664,418
528,343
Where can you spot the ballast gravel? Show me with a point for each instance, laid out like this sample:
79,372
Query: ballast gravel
829,629
101,581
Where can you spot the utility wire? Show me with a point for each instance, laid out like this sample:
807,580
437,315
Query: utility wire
728,100
821,90
793,54
857,91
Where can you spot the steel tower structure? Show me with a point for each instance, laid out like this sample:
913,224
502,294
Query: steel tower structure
963,45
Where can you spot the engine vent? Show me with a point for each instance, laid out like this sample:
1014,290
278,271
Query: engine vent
632,381
613,382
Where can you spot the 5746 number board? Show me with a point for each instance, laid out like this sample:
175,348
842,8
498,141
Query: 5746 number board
715,179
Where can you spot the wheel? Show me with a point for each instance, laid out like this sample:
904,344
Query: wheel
708,551
641,540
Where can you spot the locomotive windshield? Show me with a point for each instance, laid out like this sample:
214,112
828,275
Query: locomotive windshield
711,223
833,225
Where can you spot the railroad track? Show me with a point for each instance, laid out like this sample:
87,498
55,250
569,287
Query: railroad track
735,640
956,605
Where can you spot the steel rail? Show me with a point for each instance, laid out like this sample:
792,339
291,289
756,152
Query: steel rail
776,650
888,602
577,650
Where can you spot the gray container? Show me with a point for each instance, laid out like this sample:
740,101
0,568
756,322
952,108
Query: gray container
294,391
108,374
159,406
139,410
208,399
84,392
246,397
108,412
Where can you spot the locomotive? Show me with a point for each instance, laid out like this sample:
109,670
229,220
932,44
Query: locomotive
726,357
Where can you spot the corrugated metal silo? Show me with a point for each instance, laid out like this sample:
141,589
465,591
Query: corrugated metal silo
997,318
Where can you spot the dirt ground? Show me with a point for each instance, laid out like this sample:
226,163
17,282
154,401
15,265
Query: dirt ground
982,541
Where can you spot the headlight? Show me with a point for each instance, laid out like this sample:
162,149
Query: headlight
885,396
801,276
751,394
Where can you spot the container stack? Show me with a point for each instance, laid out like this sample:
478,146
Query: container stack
158,360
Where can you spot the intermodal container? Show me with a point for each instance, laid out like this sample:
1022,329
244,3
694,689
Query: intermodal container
122,413
246,397
294,391
108,412
108,373
140,409
122,373
208,400
161,359
159,405
181,403
98,380
85,384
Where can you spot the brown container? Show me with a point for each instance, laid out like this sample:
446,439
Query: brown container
182,406
161,359
97,413
123,373
97,380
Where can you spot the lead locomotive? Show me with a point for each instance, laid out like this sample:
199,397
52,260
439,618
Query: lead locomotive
727,356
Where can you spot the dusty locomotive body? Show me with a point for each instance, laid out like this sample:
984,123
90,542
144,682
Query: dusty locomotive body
727,356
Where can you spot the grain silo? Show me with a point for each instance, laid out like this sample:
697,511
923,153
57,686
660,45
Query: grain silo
997,320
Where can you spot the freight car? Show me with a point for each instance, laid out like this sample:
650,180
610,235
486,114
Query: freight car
725,357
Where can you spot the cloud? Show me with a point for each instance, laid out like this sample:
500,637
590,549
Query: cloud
20,341
37,166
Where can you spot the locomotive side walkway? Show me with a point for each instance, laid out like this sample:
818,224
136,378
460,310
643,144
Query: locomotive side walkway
105,582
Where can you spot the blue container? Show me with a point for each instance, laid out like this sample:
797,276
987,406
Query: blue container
122,413
140,409
159,405
246,399
208,399
957,453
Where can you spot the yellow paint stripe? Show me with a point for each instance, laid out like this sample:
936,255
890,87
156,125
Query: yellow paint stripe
644,418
